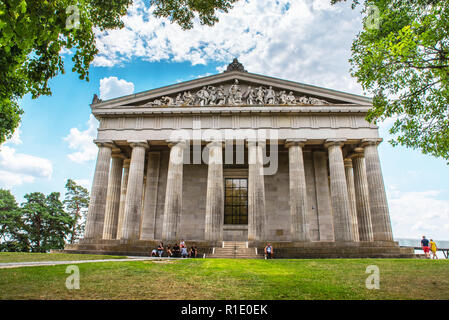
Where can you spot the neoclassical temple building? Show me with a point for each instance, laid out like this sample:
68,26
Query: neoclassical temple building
234,160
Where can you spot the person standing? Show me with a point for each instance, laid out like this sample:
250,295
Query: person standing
425,246
269,251
433,249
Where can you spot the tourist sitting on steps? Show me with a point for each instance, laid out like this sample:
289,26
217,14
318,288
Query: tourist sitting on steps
193,252
154,253
169,252
160,249
176,250
269,252
184,253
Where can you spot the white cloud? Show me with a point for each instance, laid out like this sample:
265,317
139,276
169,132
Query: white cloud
82,142
306,40
18,168
415,214
112,87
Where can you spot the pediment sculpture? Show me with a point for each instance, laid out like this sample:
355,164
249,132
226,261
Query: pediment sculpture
235,95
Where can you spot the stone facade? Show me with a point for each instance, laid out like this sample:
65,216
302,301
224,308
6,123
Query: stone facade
308,155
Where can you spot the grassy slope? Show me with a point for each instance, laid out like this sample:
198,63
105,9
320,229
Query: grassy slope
27,257
232,279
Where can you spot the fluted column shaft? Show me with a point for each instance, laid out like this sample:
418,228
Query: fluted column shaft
352,201
133,202
150,197
362,199
124,186
380,216
113,197
325,217
97,204
298,193
173,193
256,192
339,193
215,193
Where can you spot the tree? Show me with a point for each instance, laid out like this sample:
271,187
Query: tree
76,203
45,222
11,237
402,59
33,33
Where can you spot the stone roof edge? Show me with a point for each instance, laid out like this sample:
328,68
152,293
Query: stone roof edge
245,76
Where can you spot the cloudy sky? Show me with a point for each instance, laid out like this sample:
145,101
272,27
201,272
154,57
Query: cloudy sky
302,40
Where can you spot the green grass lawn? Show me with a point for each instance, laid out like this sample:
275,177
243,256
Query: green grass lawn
29,257
232,279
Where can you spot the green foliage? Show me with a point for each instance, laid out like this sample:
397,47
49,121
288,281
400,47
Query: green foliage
184,11
45,222
76,203
42,222
33,33
405,65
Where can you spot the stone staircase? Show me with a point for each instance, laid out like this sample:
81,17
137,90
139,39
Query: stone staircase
235,250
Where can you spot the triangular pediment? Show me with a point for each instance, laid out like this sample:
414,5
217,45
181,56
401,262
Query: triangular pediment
234,88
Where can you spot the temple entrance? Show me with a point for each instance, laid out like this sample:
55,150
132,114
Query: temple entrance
236,209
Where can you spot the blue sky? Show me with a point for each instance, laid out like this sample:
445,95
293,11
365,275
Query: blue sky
304,41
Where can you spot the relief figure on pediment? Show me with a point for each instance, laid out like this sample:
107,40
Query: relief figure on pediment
303,100
260,95
290,99
202,97
220,96
212,95
188,98
282,97
249,96
233,92
179,100
270,96
167,101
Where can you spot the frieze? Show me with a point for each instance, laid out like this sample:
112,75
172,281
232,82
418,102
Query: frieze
235,95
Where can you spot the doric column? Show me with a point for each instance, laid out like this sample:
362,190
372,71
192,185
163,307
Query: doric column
362,196
150,197
97,205
213,229
339,191
298,193
256,191
380,216
124,185
352,201
133,203
113,196
325,218
173,193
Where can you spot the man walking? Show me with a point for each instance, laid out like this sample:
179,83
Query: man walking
425,246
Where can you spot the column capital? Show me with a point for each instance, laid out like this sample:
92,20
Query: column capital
295,142
348,162
139,143
104,143
358,152
334,142
117,153
180,143
126,163
371,141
